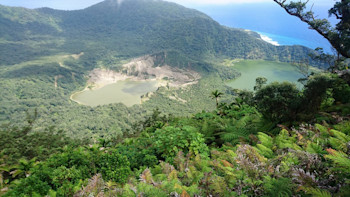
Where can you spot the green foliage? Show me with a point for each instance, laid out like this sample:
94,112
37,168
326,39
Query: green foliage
61,172
343,126
17,143
340,159
137,155
227,72
341,90
170,140
265,140
231,151
30,186
23,168
314,148
317,192
216,95
114,167
315,92
278,187
260,81
283,102
278,101
37,48
281,165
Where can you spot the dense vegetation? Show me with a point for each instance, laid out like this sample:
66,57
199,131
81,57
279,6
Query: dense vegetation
130,29
38,71
277,140
238,149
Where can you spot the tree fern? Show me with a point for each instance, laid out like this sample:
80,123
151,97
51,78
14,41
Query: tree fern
234,134
242,122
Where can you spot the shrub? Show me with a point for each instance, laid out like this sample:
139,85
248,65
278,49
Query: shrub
114,166
170,140
278,101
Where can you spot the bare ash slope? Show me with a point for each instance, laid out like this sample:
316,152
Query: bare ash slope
141,69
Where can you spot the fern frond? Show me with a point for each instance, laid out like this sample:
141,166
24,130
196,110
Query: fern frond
265,140
233,135
146,176
339,158
323,130
172,175
229,137
337,144
277,187
317,192
265,151
243,121
341,136
315,148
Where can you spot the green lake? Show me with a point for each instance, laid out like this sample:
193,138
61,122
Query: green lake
127,92
273,71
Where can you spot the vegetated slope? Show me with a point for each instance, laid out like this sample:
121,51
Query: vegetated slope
26,34
134,28
35,73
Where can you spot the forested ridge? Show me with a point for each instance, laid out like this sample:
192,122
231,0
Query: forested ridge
278,140
38,68
133,28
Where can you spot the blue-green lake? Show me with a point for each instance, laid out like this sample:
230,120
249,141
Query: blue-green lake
273,71
127,92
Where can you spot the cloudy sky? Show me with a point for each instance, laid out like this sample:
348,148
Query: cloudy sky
80,4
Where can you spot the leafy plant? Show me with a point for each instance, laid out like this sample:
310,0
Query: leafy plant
170,140
114,166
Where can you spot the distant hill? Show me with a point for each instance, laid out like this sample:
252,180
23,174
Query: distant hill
130,29
46,55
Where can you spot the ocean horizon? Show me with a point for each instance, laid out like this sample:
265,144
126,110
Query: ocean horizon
285,40
272,22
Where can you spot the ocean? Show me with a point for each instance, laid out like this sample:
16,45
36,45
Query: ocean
270,20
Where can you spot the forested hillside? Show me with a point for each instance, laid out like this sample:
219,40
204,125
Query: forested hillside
240,149
199,139
47,54
131,29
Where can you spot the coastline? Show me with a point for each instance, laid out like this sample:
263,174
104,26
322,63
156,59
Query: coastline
268,39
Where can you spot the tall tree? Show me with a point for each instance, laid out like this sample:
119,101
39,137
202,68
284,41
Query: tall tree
216,95
259,82
338,36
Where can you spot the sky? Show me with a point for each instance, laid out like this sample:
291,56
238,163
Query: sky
80,4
